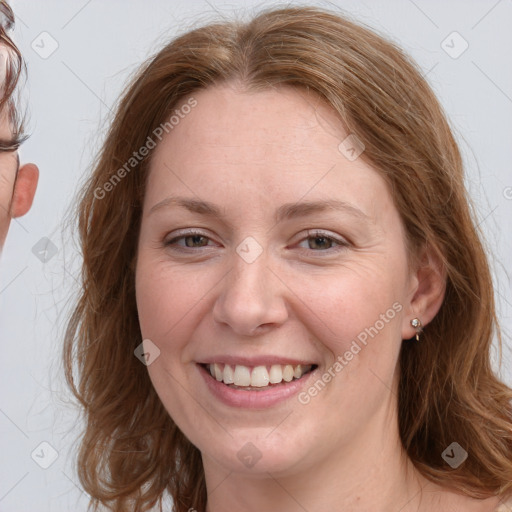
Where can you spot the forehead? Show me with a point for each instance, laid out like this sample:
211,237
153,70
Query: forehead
282,144
232,117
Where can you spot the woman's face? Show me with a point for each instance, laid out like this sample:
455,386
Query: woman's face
268,250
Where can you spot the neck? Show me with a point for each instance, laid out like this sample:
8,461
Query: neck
372,472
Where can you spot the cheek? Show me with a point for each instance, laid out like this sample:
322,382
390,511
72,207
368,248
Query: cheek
356,302
169,302
356,318
172,300
165,296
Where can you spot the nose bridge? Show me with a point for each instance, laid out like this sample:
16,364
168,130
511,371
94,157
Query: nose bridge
247,278
250,296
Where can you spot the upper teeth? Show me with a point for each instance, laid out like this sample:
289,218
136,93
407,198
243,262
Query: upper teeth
258,376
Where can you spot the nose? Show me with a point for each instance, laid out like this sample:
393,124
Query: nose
252,298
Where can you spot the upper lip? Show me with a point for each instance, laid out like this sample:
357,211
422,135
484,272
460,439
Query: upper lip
255,360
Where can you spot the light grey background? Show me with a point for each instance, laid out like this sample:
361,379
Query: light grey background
71,93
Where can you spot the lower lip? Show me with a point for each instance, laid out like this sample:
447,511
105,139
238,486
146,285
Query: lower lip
254,399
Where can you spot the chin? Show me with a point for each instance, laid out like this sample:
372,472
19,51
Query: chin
258,454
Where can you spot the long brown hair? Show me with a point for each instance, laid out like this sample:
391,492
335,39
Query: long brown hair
131,452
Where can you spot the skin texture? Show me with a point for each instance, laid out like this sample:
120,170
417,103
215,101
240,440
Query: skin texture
249,153
16,192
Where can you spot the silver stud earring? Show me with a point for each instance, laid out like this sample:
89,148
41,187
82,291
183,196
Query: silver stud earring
416,323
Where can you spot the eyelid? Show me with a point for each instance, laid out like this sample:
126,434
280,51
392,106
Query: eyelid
9,148
11,145
341,242
184,233
327,234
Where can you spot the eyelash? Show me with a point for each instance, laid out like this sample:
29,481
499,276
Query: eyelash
341,243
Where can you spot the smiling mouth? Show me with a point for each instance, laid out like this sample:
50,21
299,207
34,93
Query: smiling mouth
257,378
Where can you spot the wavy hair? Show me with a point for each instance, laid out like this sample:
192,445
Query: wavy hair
132,454
13,67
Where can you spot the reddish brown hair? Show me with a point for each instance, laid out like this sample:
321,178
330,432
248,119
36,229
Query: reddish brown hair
131,451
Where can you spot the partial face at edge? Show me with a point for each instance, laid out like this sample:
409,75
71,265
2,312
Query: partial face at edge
17,184
248,286
8,160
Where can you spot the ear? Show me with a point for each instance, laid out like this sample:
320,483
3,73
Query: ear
24,189
427,290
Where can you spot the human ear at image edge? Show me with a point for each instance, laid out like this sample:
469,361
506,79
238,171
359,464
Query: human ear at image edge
18,184
21,200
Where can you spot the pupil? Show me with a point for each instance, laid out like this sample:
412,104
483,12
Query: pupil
319,241
194,240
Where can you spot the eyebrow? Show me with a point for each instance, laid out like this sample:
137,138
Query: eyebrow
284,212
9,145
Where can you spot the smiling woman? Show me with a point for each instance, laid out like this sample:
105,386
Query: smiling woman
286,305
